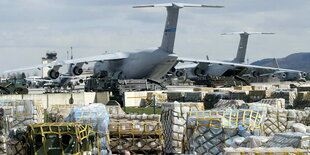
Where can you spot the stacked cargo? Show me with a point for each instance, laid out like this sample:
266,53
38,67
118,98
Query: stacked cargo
155,98
60,112
173,119
208,132
211,99
96,115
139,134
288,94
256,95
229,104
239,95
302,100
15,115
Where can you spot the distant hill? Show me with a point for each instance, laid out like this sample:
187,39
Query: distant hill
298,61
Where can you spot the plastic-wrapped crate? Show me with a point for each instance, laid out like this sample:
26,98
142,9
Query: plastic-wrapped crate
173,119
59,113
208,132
278,103
18,113
230,104
96,115
136,137
288,94
290,139
265,151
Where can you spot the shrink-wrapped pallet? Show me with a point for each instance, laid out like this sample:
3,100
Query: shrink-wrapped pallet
290,139
18,113
96,115
208,132
265,151
173,119
228,104
58,113
278,103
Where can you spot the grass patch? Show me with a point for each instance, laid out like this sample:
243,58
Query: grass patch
131,110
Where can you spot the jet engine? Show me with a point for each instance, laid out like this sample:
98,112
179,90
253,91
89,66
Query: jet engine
304,74
255,74
77,70
198,71
179,73
53,74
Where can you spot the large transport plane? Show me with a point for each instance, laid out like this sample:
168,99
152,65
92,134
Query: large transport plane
152,63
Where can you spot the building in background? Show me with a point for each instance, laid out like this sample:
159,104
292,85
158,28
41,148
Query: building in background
50,57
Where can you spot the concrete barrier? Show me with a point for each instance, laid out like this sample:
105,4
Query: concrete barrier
47,100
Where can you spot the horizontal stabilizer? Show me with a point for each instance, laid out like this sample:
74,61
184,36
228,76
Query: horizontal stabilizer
177,5
247,33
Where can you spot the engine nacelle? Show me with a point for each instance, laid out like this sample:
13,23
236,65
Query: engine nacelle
283,75
179,73
304,74
198,71
77,70
255,74
53,74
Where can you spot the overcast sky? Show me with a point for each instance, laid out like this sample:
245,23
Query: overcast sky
29,28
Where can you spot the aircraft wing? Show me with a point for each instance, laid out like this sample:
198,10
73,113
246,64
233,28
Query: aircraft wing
98,58
197,61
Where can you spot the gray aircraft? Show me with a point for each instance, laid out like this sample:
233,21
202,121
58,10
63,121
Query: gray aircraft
281,75
193,71
151,63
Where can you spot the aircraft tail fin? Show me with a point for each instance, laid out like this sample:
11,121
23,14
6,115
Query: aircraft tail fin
171,21
244,36
275,63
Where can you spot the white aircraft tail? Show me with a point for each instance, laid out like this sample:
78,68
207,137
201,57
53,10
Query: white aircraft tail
244,36
167,43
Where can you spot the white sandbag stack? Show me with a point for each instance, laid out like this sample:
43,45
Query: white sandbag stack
139,134
174,115
208,132
229,104
288,94
96,115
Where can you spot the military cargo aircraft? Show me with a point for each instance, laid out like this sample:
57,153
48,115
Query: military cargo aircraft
152,63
